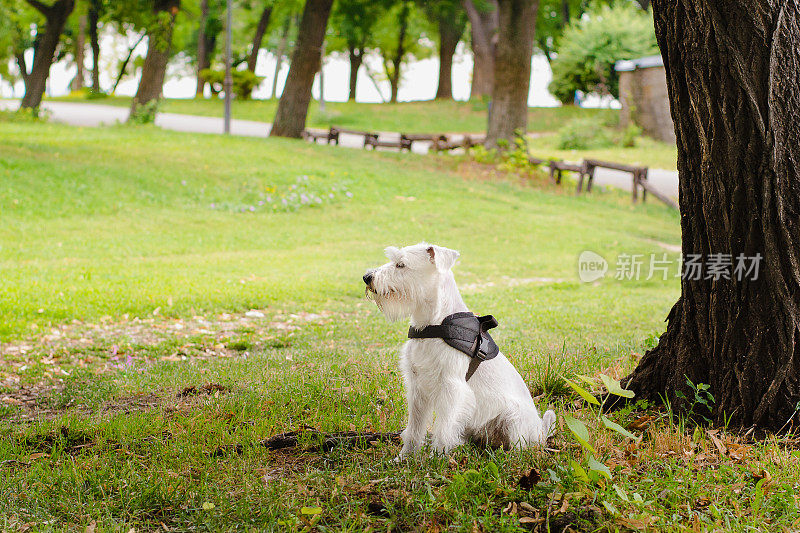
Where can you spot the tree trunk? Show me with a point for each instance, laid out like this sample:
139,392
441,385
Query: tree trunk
483,30
397,60
261,29
290,119
94,21
449,35
645,4
279,56
155,63
203,54
734,86
80,48
356,58
36,81
508,115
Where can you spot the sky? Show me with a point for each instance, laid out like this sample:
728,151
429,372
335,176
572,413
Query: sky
419,78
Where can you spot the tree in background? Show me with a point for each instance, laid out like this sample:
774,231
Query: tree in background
154,69
258,36
79,49
398,36
211,25
483,24
352,26
451,21
590,46
734,89
508,115
45,43
290,118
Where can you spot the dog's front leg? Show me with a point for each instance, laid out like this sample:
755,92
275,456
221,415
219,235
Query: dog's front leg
420,412
454,406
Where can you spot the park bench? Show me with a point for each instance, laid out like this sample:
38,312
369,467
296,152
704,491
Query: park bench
373,141
557,168
638,175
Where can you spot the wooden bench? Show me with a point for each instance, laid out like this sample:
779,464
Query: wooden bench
373,141
557,168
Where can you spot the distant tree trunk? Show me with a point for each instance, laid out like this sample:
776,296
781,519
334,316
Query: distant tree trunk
203,54
736,105
36,81
155,63
261,29
512,70
397,60
279,56
94,41
483,30
290,119
449,35
356,55
80,48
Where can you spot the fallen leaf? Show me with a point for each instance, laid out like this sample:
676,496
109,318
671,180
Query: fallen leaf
529,480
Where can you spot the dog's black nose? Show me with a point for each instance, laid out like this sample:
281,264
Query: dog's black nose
367,278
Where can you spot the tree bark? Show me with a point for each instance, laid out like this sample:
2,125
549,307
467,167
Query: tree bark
258,38
80,49
203,54
290,118
734,86
158,49
483,30
356,58
36,81
94,40
397,60
508,115
279,56
449,35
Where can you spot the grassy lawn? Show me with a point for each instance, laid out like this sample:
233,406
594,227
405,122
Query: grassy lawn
160,318
410,117
648,152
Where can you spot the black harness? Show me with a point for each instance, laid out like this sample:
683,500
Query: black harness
466,333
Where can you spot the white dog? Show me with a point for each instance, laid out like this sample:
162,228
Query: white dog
490,404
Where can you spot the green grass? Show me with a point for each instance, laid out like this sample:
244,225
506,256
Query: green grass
409,117
122,287
648,152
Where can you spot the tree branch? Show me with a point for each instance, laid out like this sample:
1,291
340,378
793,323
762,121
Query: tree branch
43,8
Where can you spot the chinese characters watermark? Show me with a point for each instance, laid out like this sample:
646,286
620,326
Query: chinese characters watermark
693,267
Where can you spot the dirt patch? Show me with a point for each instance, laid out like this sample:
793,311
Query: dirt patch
208,388
316,441
70,440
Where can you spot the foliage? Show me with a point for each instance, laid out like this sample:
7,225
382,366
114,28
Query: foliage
582,134
352,23
145,113
700,403
416,42
243,81
590,47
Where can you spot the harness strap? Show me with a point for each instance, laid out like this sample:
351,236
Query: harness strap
465,332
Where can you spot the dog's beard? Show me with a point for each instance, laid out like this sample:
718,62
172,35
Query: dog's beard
393,304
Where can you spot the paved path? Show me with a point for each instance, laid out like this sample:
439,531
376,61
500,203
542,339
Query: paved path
91,115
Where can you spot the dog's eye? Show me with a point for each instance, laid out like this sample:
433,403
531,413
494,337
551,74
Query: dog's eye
400,265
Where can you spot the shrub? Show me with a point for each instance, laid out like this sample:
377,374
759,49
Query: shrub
582,134
590,46
244,81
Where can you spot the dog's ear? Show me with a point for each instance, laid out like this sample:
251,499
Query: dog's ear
443,258
391,252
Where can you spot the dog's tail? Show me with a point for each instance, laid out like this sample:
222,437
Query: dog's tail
548,424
